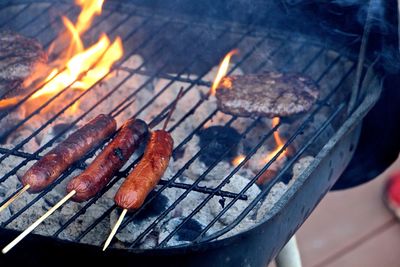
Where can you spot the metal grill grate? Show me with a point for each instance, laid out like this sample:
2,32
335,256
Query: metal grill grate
284,53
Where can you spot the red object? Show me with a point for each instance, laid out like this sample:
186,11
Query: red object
393,189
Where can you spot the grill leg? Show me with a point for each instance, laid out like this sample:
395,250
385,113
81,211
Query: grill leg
289,255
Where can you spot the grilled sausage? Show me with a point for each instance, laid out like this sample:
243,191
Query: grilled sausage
60,158
109,161
147,172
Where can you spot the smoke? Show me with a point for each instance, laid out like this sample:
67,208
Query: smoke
376,8
379,16
373,10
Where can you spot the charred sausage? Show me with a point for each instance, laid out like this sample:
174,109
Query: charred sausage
60,158
147,172
109,161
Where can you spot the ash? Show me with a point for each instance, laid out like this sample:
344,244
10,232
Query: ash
175,203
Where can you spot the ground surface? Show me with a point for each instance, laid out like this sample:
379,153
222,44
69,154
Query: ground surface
352,228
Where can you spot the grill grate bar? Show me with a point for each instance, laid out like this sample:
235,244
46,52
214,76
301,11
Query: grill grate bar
261,142
61,133
8,20
166,76
277,178
202,189
168,183
21,29
163,113
193,110
47,144
125,173
23,100
116,111
198,180
138,239
171,79
71,11
112,182
270,184
18,153
37,17
37,111
225,181
93,225
23,142
252,181
14,172
184,194
173,127
168,85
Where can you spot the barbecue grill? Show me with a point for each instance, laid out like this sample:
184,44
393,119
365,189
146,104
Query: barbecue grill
173,46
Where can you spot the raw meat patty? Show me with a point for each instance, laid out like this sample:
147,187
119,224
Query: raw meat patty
267,94
18,56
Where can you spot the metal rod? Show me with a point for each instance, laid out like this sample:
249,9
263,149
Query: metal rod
275,179
62,110
186,193
265,191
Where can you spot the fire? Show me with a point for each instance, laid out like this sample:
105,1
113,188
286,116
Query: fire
89,9
78,67
222,71
279,143
238,159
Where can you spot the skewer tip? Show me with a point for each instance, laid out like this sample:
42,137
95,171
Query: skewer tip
37,222
14,197
115,228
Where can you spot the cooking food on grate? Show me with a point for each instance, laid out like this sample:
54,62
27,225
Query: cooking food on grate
270,94
109,161
19,55
60,158
147,173
99,172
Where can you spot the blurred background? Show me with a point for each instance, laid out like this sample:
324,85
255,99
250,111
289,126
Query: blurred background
352,228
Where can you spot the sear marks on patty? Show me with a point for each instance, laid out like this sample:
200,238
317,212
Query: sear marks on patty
267,94
18,57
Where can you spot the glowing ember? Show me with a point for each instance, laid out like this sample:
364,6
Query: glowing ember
222,70
78,67
239,159
279,143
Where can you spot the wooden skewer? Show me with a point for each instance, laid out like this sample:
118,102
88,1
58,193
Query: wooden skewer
124,211
115,228
37,222
17,195
173,108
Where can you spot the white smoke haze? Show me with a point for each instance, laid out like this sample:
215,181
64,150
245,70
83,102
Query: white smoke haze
375,7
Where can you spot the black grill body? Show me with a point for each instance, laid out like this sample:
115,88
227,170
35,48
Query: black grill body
260,244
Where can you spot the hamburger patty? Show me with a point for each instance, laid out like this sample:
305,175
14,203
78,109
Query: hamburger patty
18,56
267,94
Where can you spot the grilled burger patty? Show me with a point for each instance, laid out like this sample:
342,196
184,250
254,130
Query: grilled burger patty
18,56
267,94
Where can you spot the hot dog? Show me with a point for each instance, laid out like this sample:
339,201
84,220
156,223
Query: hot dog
60,158
109,161
147,172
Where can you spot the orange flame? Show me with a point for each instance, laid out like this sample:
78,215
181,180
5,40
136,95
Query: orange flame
89,9
9,102
238,159
222,70
279,143
78,67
